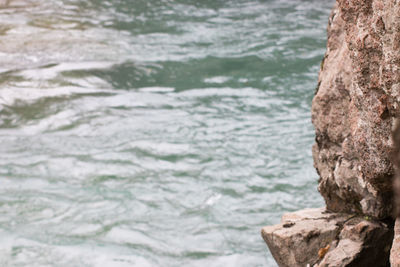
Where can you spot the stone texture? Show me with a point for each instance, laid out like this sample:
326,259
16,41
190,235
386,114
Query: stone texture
361,243
299,237
316,237
354,110
355,106
395,251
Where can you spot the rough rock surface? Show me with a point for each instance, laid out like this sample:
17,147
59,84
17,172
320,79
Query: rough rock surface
297,240
316,237
395,251
355,106
354,111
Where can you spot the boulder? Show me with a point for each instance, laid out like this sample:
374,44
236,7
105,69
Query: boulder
297,240
361,242
354,111
355,106
316,237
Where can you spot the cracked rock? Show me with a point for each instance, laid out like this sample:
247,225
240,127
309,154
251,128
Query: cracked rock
316,237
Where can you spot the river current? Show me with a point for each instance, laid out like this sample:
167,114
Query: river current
154,132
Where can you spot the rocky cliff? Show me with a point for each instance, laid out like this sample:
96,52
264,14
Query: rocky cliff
354,109
354,112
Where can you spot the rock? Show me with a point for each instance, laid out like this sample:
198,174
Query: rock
355,107
354,110
297,240
361,243
316,237
395,251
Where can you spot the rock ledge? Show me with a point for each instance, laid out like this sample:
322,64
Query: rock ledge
316,237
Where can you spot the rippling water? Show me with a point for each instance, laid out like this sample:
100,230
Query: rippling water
154,133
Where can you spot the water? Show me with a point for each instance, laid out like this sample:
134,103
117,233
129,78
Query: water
154,133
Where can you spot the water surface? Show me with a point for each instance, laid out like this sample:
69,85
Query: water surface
154,133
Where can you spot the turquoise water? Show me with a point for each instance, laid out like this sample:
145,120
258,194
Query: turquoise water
154,133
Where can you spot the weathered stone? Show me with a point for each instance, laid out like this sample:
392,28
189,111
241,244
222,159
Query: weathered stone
299,237
355,107
316,237
395,251
361,243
